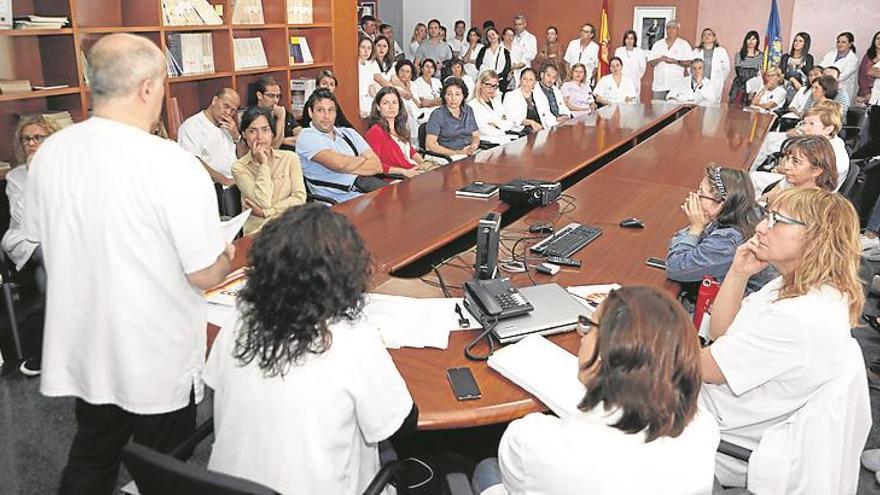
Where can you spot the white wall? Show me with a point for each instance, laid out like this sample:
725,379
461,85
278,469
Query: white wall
446,11
824,21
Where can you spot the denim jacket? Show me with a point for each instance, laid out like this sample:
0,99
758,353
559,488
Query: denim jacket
690,257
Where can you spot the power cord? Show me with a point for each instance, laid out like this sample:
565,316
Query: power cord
485,334
426,466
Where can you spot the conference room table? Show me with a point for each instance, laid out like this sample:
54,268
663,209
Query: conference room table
634,171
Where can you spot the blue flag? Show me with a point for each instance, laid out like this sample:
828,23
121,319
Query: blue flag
772,39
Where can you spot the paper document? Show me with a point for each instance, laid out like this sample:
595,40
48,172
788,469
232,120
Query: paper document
226,291
413,322
233,226
544,370
591,295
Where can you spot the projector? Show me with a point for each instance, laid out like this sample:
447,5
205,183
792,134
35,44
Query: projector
530,191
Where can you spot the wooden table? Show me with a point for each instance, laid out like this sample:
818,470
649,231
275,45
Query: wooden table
404,222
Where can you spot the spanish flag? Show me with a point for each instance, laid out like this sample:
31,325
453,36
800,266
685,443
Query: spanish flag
604,41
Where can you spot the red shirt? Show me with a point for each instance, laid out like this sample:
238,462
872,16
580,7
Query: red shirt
387,149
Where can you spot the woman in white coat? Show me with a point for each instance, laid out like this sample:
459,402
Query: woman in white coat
489,110
614,88
846,61
717,61
527,106
634,59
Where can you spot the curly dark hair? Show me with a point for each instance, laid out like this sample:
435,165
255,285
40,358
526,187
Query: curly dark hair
307,269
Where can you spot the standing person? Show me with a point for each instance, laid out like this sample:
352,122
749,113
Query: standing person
427,89
434,47
385,61
847,63
797,64
634,59
420,34
412,103
551,52
267,94
495,57
517,62
458,43
326,79
747,64
388,32
369,27
131,348
871,58
525,42
584,50
715,58
576,92
669,57
456,69
614,87
471,50
368,69
29,136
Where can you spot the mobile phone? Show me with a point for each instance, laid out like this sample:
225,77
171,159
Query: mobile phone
656,263
464,386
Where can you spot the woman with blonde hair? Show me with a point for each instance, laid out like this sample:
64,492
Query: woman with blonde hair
772,95
774,349
489,111
29,136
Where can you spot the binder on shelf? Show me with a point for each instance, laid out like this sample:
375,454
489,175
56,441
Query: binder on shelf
300,90
299,51
190,53
299,12
249,53
8,86
5,14
247,12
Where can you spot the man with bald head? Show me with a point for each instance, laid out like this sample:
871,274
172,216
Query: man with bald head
131,236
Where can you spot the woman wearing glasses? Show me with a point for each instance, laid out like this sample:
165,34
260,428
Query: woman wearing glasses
722,215
488,110
270,180
639,364
29,135
774,349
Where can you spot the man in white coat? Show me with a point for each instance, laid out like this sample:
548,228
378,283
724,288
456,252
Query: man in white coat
669,56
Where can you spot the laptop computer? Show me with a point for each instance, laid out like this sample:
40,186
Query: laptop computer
555,311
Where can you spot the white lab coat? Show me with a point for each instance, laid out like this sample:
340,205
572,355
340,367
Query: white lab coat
849,68
515,107
706,95
720,64
635,62
492,121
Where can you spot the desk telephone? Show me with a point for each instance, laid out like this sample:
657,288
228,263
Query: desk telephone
496,298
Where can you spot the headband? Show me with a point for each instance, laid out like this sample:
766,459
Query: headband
716,176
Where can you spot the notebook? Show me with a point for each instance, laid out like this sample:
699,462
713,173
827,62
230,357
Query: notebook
477,189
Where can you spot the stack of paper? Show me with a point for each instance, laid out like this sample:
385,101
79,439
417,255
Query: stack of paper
61,119
249,53
591,295
14,86
300,90
412,322
220,300
190,13
39,22
247,12
299,12
190,53
544,370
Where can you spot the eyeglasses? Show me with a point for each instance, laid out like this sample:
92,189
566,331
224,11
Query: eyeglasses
491,86
274,96
36,138
774,217
710,198
585,324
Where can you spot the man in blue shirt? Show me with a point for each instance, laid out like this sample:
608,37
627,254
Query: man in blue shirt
336,161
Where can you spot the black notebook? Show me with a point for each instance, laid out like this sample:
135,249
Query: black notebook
477,189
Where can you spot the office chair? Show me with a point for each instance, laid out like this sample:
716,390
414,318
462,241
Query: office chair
864,193
169,474
848,188
21,298
313,197
423,149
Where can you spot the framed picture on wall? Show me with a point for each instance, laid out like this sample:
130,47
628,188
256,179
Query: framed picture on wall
367,7
650,24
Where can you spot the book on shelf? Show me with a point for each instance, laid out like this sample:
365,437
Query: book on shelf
299,12
8,86
249,53
189,53
247,12
39,22
85,66
5,14
300,90
190,13
299,51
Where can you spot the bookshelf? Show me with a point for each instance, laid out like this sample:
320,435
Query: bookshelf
49,57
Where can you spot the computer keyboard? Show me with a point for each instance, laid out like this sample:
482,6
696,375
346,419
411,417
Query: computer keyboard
567,240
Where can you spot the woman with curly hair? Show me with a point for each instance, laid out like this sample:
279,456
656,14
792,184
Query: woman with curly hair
303,391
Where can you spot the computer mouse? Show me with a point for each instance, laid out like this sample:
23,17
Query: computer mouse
632,223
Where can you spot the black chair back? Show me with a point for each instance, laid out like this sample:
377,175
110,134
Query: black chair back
848,188
159,474
423,135
865,192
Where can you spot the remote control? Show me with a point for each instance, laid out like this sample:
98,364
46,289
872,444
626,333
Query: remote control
559,260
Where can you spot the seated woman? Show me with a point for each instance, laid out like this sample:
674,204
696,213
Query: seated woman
452,129
638,430
24,253
304,391
404,71
779,345
426,90
807,161
824,88
489,111
528,106
722,215
614,87
270,180
456,67
772,95
389,136
576,92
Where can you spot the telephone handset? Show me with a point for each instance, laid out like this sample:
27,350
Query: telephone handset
496,298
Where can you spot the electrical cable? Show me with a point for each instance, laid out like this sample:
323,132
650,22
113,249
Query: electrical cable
426,466
443,287
485,334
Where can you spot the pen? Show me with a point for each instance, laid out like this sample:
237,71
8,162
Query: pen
462,321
